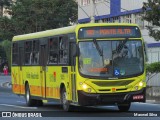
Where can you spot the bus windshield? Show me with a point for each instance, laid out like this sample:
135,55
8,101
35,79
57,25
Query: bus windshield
120,58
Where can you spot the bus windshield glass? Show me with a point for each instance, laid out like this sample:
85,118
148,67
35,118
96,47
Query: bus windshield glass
120,58
109,32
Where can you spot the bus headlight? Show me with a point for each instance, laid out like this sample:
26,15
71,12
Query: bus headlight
86,87
141,84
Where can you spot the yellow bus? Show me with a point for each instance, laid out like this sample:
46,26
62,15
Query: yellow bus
83,65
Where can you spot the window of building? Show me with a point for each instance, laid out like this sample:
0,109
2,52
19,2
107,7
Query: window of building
115,19
139,20
15,53
85,2
97,1
127,19
106,20
28,53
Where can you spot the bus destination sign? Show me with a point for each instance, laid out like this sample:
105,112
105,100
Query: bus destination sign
109,32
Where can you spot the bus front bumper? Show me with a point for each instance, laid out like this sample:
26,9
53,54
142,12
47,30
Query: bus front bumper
86,99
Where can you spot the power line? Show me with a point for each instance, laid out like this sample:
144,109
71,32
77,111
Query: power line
83,10
106,4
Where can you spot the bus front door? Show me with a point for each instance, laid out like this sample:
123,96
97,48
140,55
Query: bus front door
20,73
72,60
43,62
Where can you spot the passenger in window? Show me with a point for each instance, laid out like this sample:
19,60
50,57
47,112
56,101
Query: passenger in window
37,58
30,58
60,42
53,58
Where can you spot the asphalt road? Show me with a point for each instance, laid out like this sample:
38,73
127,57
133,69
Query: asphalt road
10,102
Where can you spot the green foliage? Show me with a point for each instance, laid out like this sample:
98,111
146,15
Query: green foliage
37,15
6,44
29,16
152,15
153,67
6,28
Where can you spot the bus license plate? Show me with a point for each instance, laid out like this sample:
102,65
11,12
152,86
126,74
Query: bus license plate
138,97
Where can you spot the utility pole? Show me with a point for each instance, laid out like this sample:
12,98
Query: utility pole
92,11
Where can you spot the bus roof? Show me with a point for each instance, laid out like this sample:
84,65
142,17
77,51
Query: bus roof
64,30
46,33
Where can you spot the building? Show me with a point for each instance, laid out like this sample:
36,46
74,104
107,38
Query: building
3,9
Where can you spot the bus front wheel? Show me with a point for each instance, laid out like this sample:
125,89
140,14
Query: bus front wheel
29,101
65,103
124,106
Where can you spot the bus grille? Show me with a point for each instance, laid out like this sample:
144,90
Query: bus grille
112,83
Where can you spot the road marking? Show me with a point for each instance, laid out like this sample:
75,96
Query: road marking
18,106
21,102
153,104
151,101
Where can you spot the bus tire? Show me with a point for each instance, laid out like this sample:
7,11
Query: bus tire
65,103
124,107
29,101
39,102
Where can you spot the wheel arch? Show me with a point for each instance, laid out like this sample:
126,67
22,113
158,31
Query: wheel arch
26,83
62,85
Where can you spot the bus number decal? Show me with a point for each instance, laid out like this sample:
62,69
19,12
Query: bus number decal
32,76
87,61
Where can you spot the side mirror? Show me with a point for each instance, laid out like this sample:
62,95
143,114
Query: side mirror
146,51
75,50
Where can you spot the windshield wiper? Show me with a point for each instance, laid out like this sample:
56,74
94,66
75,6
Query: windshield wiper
122,45
100,51
98,47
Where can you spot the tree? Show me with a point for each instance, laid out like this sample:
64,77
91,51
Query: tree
152,15
6,28
152,70
6,52
153,67
30,16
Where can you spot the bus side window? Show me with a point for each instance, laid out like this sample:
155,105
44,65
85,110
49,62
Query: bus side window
63,50
28,52
15,54
35,55
53,51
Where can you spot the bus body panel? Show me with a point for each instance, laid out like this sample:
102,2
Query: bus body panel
45,80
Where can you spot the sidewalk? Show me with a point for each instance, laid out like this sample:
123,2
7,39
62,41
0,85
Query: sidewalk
2,74
5,81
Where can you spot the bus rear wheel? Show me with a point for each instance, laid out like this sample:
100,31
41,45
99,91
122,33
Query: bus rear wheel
65,103
124,107
29,101
39,102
